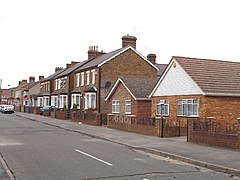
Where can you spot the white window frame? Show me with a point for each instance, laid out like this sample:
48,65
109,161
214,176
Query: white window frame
161,107
61,101
54,101
75,98
89,103
39,101
115,106
45,101
82,79
93,76
128,107
78,80
88,77
186,107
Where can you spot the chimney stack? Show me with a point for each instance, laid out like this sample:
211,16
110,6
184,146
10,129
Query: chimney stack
19,83
68,65
31,79
41,78
152,58
129,40
93,52
24,81
58,69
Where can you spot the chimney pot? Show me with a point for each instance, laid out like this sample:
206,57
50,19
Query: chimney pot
58,69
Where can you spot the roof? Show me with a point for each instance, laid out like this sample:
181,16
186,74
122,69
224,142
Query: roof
53,75
69,70
138,87
161,68
214,77
100,60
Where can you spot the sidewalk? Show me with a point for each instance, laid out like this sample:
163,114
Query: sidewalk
218,159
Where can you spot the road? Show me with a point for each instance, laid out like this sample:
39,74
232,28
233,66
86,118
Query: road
33,150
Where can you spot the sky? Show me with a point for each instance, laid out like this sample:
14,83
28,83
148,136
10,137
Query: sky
38,35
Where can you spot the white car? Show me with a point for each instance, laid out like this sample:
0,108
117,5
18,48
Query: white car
7,109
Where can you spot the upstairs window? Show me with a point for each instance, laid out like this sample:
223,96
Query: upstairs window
93,76
78,80
82,79
115,106
88,77
187,107
162,108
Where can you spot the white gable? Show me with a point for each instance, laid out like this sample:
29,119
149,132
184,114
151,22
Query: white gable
176,82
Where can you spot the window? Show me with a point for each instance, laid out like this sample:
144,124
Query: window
128,107
188,107
162,108
40,101
115,106
45,101
88,77
63,101
90,101
78,79
93,76
76,100
82,79
56,84
54,101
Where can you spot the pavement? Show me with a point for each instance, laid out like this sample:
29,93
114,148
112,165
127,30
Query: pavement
215,158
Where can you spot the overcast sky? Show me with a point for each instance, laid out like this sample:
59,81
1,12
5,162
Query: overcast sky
36,36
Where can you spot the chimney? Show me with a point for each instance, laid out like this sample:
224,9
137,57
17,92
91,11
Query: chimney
93,52
24,81
152,58
74,62
19,83
41,78
58,69
129,40
68,65
31,79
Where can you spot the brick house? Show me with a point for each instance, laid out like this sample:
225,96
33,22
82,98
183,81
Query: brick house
200,88
130,97
46,88
94,80
63,86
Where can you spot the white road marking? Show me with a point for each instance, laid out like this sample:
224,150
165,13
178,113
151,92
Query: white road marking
100,160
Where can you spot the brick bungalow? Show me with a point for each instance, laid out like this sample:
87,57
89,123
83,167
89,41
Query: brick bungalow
198,88
129,97
94,80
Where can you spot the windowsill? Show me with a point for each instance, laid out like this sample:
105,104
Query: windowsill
187,116
131,115
159,115
115,112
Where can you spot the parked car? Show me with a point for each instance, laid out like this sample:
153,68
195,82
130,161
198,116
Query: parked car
45,108
1,107
7,109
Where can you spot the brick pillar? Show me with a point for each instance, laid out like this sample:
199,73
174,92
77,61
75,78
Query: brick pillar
238,120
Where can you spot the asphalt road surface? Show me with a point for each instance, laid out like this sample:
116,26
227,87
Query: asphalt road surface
36,151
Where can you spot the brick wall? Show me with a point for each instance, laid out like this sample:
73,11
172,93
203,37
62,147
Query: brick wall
214,139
